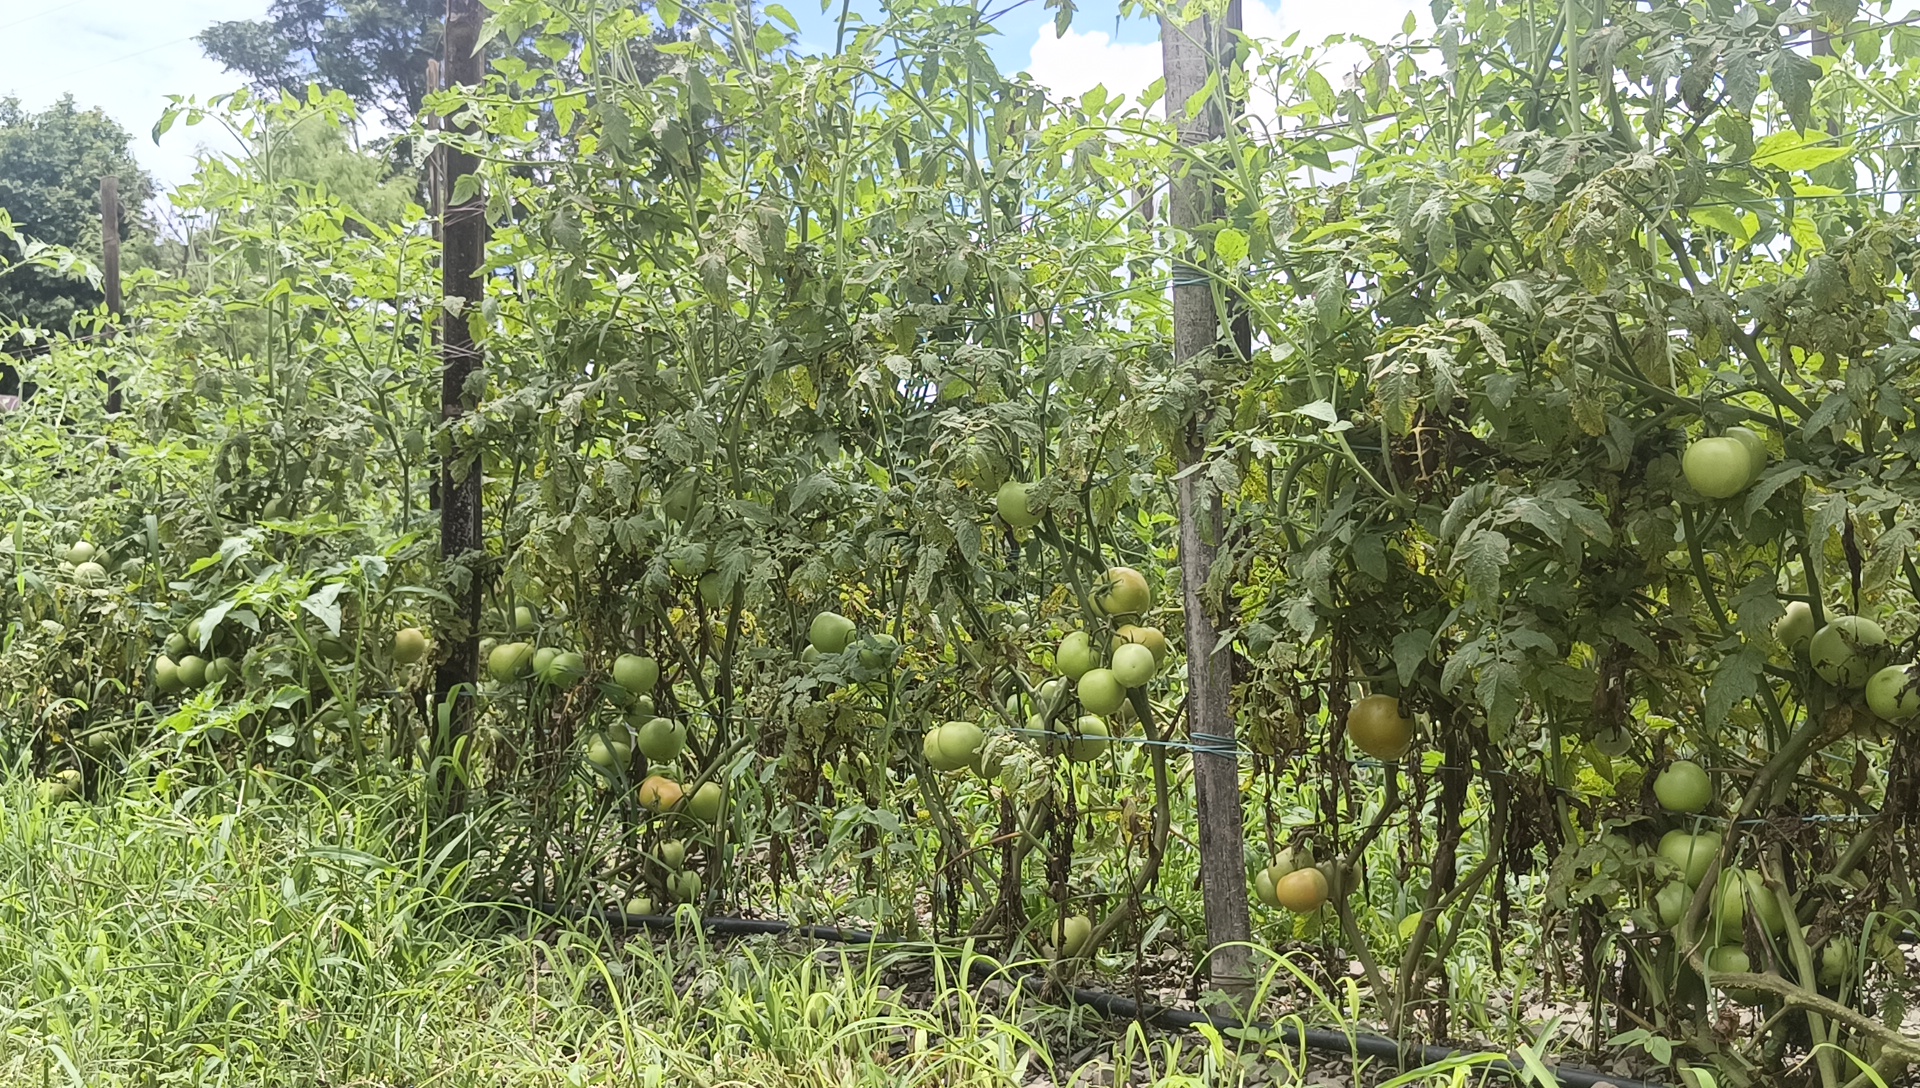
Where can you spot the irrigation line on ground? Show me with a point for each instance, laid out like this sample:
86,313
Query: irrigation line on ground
1356,1044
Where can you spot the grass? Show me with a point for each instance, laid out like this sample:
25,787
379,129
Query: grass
222,935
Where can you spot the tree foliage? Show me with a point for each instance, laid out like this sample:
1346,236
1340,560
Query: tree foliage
51,164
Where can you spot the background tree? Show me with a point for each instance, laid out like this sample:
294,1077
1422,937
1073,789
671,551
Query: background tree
374,50
51,163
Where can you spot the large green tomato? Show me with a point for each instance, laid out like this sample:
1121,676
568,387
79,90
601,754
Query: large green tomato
879,651
1101,692
1794,629
1718,468
1894,693
1690,853
1756,447
1089,739
1376,725
564,669
1133,665
1152,638
193,671
510,661
1766,905
1014,503
830,632
1071,937
635,673
409,645
1683,787
707,802
661,739
1075,657
1122,591
1848,651
1670,903
958,744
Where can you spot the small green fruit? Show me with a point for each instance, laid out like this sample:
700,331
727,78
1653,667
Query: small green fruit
1718,468
1071,937
1075,657
510,661
1100,691
879,651
1683,787
1893,694
1014,503
831,633
1690,853
1796,627
635,673
1133,665
193,672
1670,903
661,739
1755,445
1089,738
707,802
956,745
563,669
684,886
1848,651
409,645
1123,591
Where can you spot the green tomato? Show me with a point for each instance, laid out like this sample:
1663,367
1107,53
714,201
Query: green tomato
956,745
1670,903
1718,468
1690,853
1088,739
635,673
1894,693
1683,787
193,672
661,739
879,651
1793,630
1133,665
1075,657
707,802
563,668
166,676
1755,445
1101,692
1848,651
409,645
1014,504
831,633
1123,591
510,661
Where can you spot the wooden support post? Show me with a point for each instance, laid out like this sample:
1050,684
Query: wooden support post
110,273
1192,53
463,235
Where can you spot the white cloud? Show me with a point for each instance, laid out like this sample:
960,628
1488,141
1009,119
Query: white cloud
1074,64
124,56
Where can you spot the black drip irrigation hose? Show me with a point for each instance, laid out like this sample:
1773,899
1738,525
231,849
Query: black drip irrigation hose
1115,1007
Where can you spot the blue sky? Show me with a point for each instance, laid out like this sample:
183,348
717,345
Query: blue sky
126,56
